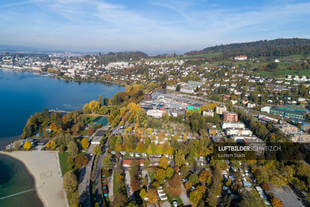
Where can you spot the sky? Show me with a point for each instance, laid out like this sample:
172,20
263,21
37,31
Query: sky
152,26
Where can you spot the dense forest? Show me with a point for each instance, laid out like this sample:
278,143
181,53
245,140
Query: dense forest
263,48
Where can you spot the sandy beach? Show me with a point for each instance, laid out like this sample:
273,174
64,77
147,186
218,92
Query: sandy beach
43,165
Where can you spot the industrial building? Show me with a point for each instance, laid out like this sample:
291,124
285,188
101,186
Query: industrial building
289,112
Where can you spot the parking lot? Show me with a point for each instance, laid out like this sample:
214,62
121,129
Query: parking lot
287,196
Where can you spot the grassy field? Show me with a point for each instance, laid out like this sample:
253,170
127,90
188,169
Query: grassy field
282,73
63,157
208,55
116,189
293,57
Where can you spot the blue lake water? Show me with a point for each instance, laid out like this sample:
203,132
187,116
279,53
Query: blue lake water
24,93
16,184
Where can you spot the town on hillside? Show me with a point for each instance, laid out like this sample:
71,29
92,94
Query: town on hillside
157,143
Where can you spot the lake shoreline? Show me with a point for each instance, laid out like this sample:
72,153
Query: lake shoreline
17,183
45,170
55,76
25,94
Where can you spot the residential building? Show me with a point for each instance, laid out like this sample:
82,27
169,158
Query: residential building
235,125
127,162
241,57
230,117
155,113
239,132
220,109
208,113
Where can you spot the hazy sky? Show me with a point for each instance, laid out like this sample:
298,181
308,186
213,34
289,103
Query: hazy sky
152,26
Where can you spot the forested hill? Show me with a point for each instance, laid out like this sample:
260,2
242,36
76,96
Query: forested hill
122,56
264,48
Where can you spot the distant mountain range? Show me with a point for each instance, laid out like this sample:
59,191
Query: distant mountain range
277,47
263,48
34,50
15,48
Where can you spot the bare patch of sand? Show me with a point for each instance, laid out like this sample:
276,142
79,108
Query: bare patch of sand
43,165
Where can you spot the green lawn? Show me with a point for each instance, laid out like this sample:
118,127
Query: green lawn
63,157
205,55
282,73
118,182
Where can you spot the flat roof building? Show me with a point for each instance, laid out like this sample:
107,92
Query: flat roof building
289,112
230,116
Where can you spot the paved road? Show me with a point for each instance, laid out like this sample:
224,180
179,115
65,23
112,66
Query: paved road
111,197
84,186
96,137
184,197
85,175
98,186
127,182
165,204
287,196
145,174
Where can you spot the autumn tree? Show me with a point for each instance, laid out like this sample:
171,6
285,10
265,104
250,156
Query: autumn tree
51,145
278,180
194,179
160,175
163,163
228,182
16,145
209,106
70,182
215,189
188,185
74,200
27,145
73,148
205,177
266,186
97,150
169,172
152,195
276,202
143,193
134,175
261,175
54,128
94,106
140,147
179,158
85,143
81,160
251,199
174,185
196,195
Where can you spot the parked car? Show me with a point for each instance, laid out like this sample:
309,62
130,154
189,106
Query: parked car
105,193
175,203
163,198
184,180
